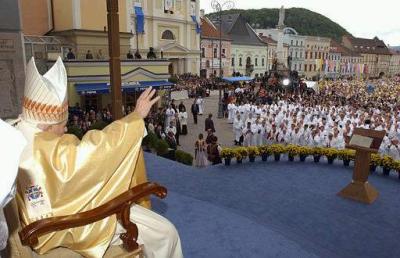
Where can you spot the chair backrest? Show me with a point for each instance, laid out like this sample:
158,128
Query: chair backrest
14,246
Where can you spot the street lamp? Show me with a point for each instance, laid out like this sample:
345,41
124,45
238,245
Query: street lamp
218,7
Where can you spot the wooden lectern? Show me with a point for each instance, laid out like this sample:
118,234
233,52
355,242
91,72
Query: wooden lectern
365,142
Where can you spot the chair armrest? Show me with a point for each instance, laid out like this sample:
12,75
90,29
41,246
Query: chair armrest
120,206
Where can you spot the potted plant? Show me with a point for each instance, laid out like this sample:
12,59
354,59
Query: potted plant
346,155
264,151
240,154
375,161
227,154
304,151
277,150
252,152
396,166
292,150
387,164
330,154
317,153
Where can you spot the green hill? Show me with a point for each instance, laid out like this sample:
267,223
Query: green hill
304,21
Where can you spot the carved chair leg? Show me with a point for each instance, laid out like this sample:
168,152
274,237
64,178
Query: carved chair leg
130,237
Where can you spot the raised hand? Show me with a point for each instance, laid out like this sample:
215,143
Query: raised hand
145,102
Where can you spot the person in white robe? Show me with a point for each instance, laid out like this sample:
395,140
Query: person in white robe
12,145
183,119
231,112
247,135
169,115
237,128
256,133
200,103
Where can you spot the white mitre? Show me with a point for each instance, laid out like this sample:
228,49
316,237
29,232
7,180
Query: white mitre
45,97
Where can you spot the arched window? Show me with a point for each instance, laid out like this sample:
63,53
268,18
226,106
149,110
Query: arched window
248,61
167,34
240,61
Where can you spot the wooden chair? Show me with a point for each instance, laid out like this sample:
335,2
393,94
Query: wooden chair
21,239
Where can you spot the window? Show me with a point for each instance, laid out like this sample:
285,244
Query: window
295,67
301,43
291,42
319,55
215,53
256,61
263,62
315,68
223,53
233,62
299,67
248,61
168,35
297,43
203,52
306,55
296,55
240,61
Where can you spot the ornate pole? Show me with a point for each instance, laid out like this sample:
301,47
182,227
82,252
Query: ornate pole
115,62
218,8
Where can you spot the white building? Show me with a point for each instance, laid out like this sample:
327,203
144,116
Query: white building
296,44
249,52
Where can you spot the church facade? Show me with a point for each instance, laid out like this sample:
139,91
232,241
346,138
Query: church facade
171,27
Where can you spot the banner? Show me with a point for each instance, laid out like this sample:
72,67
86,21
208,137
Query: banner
169,6
139,19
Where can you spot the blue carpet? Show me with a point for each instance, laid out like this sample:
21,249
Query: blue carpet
275,209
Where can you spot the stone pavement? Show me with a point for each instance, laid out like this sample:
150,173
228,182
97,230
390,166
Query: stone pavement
223,130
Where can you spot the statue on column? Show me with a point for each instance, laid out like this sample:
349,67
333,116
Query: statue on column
281,17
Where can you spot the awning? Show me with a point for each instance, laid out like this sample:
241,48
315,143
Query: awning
238,79
142,85
104,87
139,19
198,28
92,88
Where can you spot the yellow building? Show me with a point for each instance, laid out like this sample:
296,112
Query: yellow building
317,51
171,27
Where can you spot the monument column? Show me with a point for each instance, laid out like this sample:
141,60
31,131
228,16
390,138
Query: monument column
12,59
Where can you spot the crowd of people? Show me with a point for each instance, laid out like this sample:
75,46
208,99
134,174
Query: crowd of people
325,118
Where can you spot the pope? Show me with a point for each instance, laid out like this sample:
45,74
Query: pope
61,175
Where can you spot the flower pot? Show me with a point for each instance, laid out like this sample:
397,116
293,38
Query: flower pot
372,168
239,161
264,157
303,158
291,158
277,157
330,160
252,158
227,161
346,162
317,158
386,171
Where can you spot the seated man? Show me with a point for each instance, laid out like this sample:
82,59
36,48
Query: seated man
60,175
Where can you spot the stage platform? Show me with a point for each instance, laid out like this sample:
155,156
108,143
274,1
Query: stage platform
276,209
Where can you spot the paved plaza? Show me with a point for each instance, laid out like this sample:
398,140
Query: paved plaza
223,129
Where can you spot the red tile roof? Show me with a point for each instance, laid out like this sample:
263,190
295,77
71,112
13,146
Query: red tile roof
209,31
369,46
336,47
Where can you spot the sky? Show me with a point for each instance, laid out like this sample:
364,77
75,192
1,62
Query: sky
362,18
